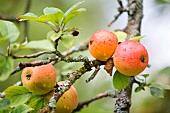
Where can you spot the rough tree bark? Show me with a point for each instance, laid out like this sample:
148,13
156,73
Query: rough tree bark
135,14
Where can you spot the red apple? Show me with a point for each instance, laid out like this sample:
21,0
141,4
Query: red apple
130,58
102,44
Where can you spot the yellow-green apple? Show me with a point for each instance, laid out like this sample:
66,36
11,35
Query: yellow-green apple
130,58
39,79
102,44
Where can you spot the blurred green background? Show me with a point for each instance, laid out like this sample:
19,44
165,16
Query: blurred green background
99,14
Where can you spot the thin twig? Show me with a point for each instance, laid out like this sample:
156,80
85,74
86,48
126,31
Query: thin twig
80,47
27,8
112,94
8,18
26,26
34,55
115,18
94,74
66,59
60,57
121,9
23,65
120,3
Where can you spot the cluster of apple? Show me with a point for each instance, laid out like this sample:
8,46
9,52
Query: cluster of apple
130,57
41,80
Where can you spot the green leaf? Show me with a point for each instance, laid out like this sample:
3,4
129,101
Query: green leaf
6,67
120,35
67,40
38,45
73,14
54,14
156,91
71,9
36,102
51,10
9,30
46,18
137,38
145,75
28,16
5,111
4,43
162,1
49,34
120,81
22,108
2,63
17,95
138,89
165,87
33,17
4,103
55,36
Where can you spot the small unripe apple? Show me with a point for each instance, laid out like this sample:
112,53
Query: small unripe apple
130,58
39,79
102,44
68,101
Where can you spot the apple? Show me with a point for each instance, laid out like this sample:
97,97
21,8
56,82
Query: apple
68,101
39,79
102,44
130,58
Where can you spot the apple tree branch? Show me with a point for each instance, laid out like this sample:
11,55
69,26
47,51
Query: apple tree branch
135,15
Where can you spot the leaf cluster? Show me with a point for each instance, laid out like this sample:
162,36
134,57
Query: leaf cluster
19,100
57,20
53,17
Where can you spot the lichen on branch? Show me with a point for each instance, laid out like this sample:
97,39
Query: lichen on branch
72,78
